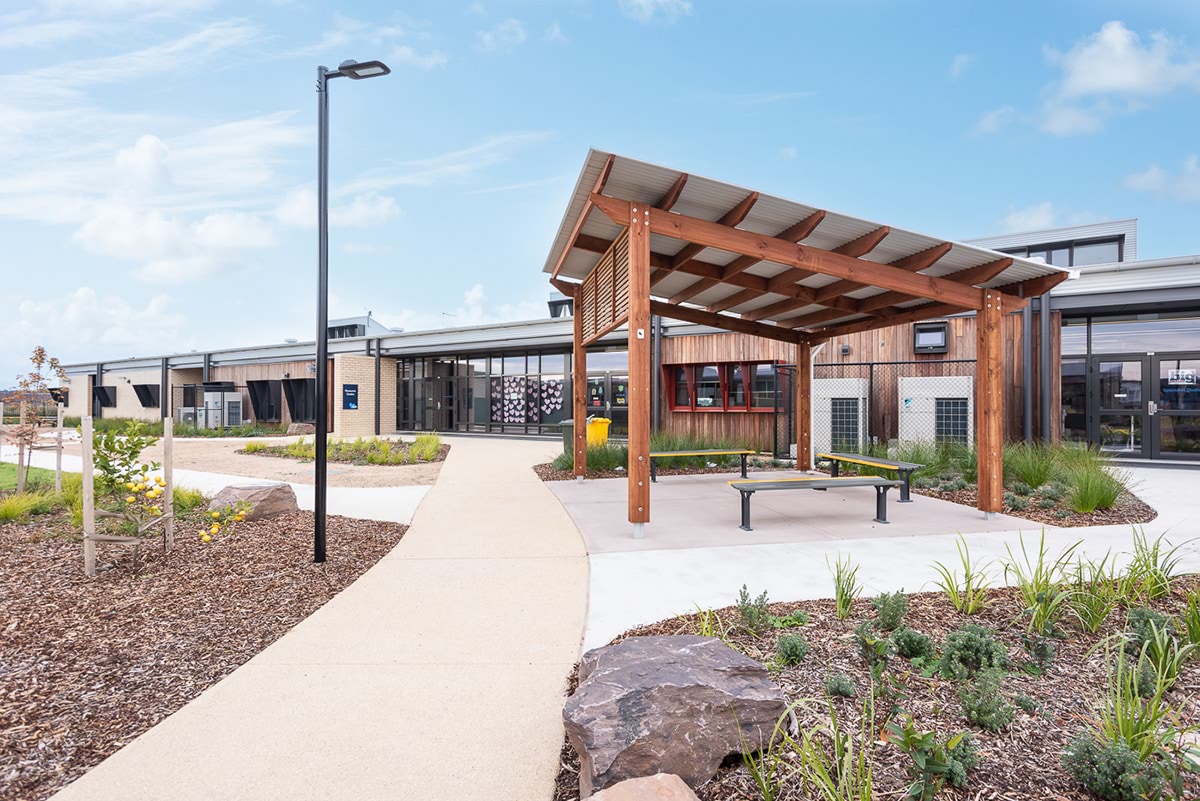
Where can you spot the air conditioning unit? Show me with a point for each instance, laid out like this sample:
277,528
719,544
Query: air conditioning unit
220,410
186,415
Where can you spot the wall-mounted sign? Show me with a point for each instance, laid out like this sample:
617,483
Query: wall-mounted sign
1182,378
349,396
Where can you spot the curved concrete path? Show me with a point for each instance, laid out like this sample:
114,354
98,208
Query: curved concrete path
439,674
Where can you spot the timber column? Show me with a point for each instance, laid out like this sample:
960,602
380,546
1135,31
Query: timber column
639,368
989,404
579,387
803,390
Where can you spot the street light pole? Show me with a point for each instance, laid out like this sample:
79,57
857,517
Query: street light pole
354,71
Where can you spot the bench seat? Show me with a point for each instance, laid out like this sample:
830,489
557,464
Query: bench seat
905,469
661,454
748,487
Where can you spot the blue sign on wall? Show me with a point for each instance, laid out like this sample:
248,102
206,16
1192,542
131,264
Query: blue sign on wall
349,396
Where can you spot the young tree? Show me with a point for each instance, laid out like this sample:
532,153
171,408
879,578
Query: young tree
32,389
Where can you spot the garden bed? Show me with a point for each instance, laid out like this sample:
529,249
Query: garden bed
1023,761
1129,509
86,665
427,449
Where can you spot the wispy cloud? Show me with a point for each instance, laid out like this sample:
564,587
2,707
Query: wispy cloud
1043,215
520,186
366,210
554,33
1183,185
992,121
503,37
404,54
651,10
960,64
43,33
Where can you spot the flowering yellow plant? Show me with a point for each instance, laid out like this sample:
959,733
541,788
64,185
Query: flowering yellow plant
224,520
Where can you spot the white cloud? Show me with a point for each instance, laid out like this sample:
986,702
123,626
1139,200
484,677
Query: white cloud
474,309
44,33
87,324
1030,218
554,33
503,37
453,166
144,166
648,10
1183,185
115,7
426,61
299,209
1065,120
960,64
994,120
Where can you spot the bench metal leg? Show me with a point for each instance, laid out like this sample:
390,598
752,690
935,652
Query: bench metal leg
906,477
745,526
653,471
881,504
744,465
833,468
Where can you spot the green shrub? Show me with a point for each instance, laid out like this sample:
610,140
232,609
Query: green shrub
912,644
1094,488
426,447
845,585
1153,565
1031,464
970,649
1027,704
1053,491
1062,514
982,703
1021,488
186,500
1046,503
1111,771
794,620
876,649
1140,623
1191,618
1041,651
791,649
967,595
754,614
1040,583
839,685
954,485
890,608
1015,502
255,447
933,762
16,508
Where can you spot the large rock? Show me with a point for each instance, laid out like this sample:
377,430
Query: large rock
266,500
659,787
300,429
677,705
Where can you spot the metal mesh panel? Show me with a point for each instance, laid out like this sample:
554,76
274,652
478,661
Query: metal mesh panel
859,404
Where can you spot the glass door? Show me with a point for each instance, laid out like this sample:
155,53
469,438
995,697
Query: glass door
1175,408
619,405
1119,416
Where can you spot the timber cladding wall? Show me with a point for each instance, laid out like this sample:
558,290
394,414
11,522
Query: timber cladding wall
749,428
239,374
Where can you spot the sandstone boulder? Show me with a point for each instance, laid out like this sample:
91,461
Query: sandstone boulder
266,500
675,705
300,429
659,787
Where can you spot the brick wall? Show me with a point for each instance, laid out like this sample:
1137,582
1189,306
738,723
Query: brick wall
360,370
78,396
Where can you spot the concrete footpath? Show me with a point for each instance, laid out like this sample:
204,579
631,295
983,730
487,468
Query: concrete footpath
439,674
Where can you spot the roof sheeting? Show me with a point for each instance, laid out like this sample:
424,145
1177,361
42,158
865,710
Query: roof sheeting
708,199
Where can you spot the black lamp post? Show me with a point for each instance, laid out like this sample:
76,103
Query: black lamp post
355,71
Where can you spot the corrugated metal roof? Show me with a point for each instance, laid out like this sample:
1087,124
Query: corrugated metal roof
708,199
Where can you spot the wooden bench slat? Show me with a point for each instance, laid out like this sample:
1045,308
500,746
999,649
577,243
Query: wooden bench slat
871,461
657,454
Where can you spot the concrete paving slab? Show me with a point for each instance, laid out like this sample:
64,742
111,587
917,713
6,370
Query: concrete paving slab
699,511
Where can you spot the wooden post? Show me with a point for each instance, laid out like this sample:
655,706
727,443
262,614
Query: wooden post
639,368
58,446
803,390
89,501
21,449
579,389
169,480
989,404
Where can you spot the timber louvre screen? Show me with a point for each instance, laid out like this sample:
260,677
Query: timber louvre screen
857,405
605,299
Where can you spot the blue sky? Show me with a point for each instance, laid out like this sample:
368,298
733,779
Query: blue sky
157,157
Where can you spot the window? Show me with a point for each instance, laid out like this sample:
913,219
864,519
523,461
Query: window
147,395
683,393
1073,253
950,420
844,424
737,387
1096,253
107,396
708,387
930,337
763,396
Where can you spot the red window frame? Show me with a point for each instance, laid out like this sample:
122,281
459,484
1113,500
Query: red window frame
724,373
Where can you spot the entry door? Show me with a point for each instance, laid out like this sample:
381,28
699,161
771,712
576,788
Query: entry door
1175,408
619,404
1120,414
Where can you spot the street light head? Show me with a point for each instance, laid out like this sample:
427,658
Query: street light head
367,69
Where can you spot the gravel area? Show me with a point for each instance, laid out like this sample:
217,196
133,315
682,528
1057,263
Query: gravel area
86,665
1024,761
221,456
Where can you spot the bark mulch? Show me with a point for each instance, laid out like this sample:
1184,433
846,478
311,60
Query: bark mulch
1128,510
1021,762
86,665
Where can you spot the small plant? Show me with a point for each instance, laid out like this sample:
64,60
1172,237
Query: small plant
1061,514
890,608
1027,704
255,447
1040,583
710,624
1094,593
1191,618
874,647
754,614
794,620
845,585
1032,464
1053,491
1041,652
971,649
967,595
1165,654
1094,487
955,485
934,762
832,766
1153,564
1021,488
1046,503
1141,623
791,649
185,500
982,703
18,507
1016,502
912,644
839,685
765,761
1111,771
